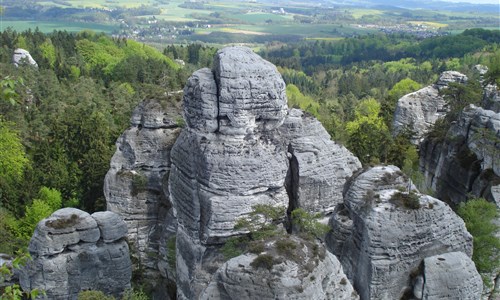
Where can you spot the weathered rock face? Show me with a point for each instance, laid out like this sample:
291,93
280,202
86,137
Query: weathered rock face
135,187
319,167
467,161
384,239
74,251
449,275
21,57
313,276
235,153
420,110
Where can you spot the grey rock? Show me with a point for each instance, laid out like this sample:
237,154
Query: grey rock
319,167
135,186
22,57
451,276
491,98
235,153
111,225
201,107
419,110
64,227
215,180
467,161
388,240
69,256
310,277
450,76
251,92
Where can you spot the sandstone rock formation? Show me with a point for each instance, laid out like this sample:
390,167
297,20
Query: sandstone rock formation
381,234
420,110
319,167
467,161
135,187
74,251
446,276
310,275
235,153
21,57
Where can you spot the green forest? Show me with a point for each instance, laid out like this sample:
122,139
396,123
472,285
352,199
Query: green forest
59,121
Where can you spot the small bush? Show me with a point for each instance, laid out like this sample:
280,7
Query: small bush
62,222
408,200
308,223
479,216
94,295
256,247
171,253
286,247
139,184
264,261
234,246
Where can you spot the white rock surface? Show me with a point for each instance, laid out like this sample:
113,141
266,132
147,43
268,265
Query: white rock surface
21,57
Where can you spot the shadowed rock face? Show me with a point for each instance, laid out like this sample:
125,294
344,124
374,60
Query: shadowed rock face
467,161
242,147
73,251
380,240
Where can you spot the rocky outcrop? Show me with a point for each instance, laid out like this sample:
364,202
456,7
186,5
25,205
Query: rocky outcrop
449,275
303,272
384,234
242,147
135,187
419,110
23,57
466,161
74,251
319,167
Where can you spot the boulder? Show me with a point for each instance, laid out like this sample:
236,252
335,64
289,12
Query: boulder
23,57
70,255
448,276
391,232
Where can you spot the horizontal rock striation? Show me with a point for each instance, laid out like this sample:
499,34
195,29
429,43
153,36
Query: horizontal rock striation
135,187
73,251
243,147
391,232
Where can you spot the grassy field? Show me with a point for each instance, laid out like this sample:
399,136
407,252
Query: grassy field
255,17
51,26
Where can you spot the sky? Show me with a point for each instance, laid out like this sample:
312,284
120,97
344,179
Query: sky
476,1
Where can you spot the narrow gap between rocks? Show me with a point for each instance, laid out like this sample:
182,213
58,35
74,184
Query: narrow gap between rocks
292,187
